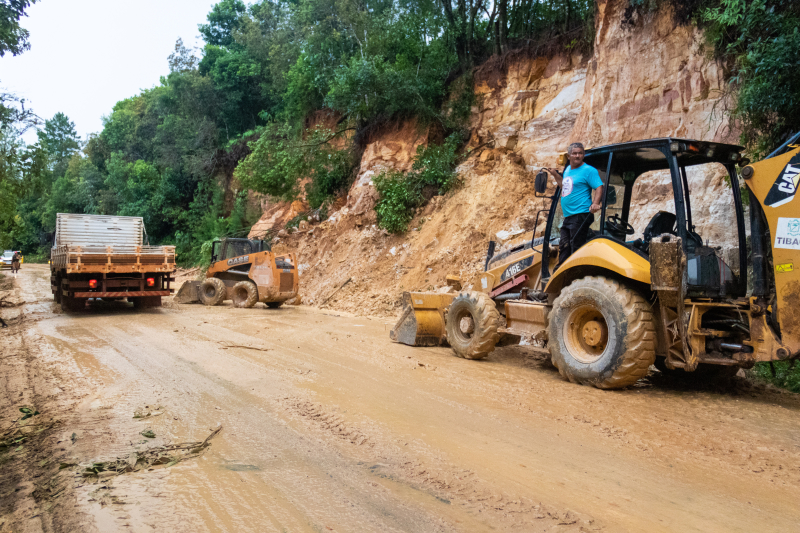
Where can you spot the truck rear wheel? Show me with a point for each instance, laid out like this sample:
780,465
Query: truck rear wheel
144,302
601,333
245,294
471,325
212,291
59,290
71,304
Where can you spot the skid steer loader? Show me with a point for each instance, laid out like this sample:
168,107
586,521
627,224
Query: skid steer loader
245,271
618,305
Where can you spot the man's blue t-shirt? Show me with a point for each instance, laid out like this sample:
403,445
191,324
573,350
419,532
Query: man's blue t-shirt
576,190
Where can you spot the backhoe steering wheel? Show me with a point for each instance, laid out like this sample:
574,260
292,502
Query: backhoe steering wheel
617,225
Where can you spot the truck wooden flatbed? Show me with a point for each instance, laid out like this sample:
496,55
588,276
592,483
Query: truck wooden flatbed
99,256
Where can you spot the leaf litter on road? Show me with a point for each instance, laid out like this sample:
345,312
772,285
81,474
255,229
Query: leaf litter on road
169,455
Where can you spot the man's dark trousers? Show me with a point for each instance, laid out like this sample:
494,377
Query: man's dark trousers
574,233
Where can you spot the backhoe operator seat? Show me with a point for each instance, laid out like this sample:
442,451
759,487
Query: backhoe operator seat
662,222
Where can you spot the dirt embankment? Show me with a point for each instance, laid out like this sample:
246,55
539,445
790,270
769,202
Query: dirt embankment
652,79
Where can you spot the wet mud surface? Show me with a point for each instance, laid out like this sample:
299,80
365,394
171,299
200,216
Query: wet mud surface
328,426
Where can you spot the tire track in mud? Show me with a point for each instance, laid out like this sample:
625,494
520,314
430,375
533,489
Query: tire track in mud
712,422
445,482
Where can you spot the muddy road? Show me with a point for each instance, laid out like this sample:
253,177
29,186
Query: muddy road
328,426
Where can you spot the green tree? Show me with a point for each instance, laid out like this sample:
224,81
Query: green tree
762,38
13,37
60,140
223,21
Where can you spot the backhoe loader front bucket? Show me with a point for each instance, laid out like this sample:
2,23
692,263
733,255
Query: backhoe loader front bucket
422,321
189,293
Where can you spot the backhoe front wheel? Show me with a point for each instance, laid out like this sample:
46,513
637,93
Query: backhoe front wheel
212,291
472,322
601,333
245,294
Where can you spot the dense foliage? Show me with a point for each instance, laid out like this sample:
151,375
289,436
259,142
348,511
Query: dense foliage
13,37
784,374
170,154
433,169
762,39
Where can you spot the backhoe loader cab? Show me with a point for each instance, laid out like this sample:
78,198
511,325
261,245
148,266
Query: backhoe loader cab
635,174
662,286
246,272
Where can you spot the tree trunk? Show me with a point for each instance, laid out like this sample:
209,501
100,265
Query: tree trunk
502,20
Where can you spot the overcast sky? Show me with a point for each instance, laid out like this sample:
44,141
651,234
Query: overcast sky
86,55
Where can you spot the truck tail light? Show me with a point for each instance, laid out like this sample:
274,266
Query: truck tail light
92,283
151,282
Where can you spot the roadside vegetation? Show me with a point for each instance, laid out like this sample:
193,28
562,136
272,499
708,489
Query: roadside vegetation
233,117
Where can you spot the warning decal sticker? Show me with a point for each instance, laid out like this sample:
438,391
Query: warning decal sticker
786,267
785,187
788,233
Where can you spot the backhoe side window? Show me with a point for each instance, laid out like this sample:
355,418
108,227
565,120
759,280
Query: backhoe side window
652,192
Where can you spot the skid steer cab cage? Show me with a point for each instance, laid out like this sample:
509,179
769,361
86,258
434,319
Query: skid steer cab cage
673,294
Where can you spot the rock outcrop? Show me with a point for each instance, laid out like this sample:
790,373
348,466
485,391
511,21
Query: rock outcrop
650,80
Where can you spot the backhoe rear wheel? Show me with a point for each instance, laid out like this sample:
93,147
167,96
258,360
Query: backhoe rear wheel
601,333
472,322
245,294
212,291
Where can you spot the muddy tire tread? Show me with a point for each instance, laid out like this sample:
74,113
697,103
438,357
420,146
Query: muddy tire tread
487,324
640,340
220,291
251,293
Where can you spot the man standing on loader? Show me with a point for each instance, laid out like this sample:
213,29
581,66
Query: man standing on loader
577,202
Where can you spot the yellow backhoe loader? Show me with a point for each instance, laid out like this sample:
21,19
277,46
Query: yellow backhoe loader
246,272
670,297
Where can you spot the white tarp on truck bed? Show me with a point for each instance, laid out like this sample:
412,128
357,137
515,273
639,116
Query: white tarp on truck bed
98,230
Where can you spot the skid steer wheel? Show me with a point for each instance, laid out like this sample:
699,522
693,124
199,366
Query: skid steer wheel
245,294
472,322
601,333
274,305
212,291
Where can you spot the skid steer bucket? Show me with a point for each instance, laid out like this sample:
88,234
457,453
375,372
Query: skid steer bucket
422,321
189,293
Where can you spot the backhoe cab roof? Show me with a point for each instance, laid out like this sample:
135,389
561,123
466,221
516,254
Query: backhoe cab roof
639,156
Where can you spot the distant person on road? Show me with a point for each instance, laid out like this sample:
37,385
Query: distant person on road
15,263
577,202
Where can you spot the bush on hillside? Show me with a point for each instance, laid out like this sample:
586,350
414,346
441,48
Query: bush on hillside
434,165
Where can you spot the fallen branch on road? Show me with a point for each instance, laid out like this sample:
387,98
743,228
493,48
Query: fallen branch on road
225,346
168,455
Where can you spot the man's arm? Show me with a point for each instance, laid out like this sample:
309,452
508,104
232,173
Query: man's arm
597,200
557,175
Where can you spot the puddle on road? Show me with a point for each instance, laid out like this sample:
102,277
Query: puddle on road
87,362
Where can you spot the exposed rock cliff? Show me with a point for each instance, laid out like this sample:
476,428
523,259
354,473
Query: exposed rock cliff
650,80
